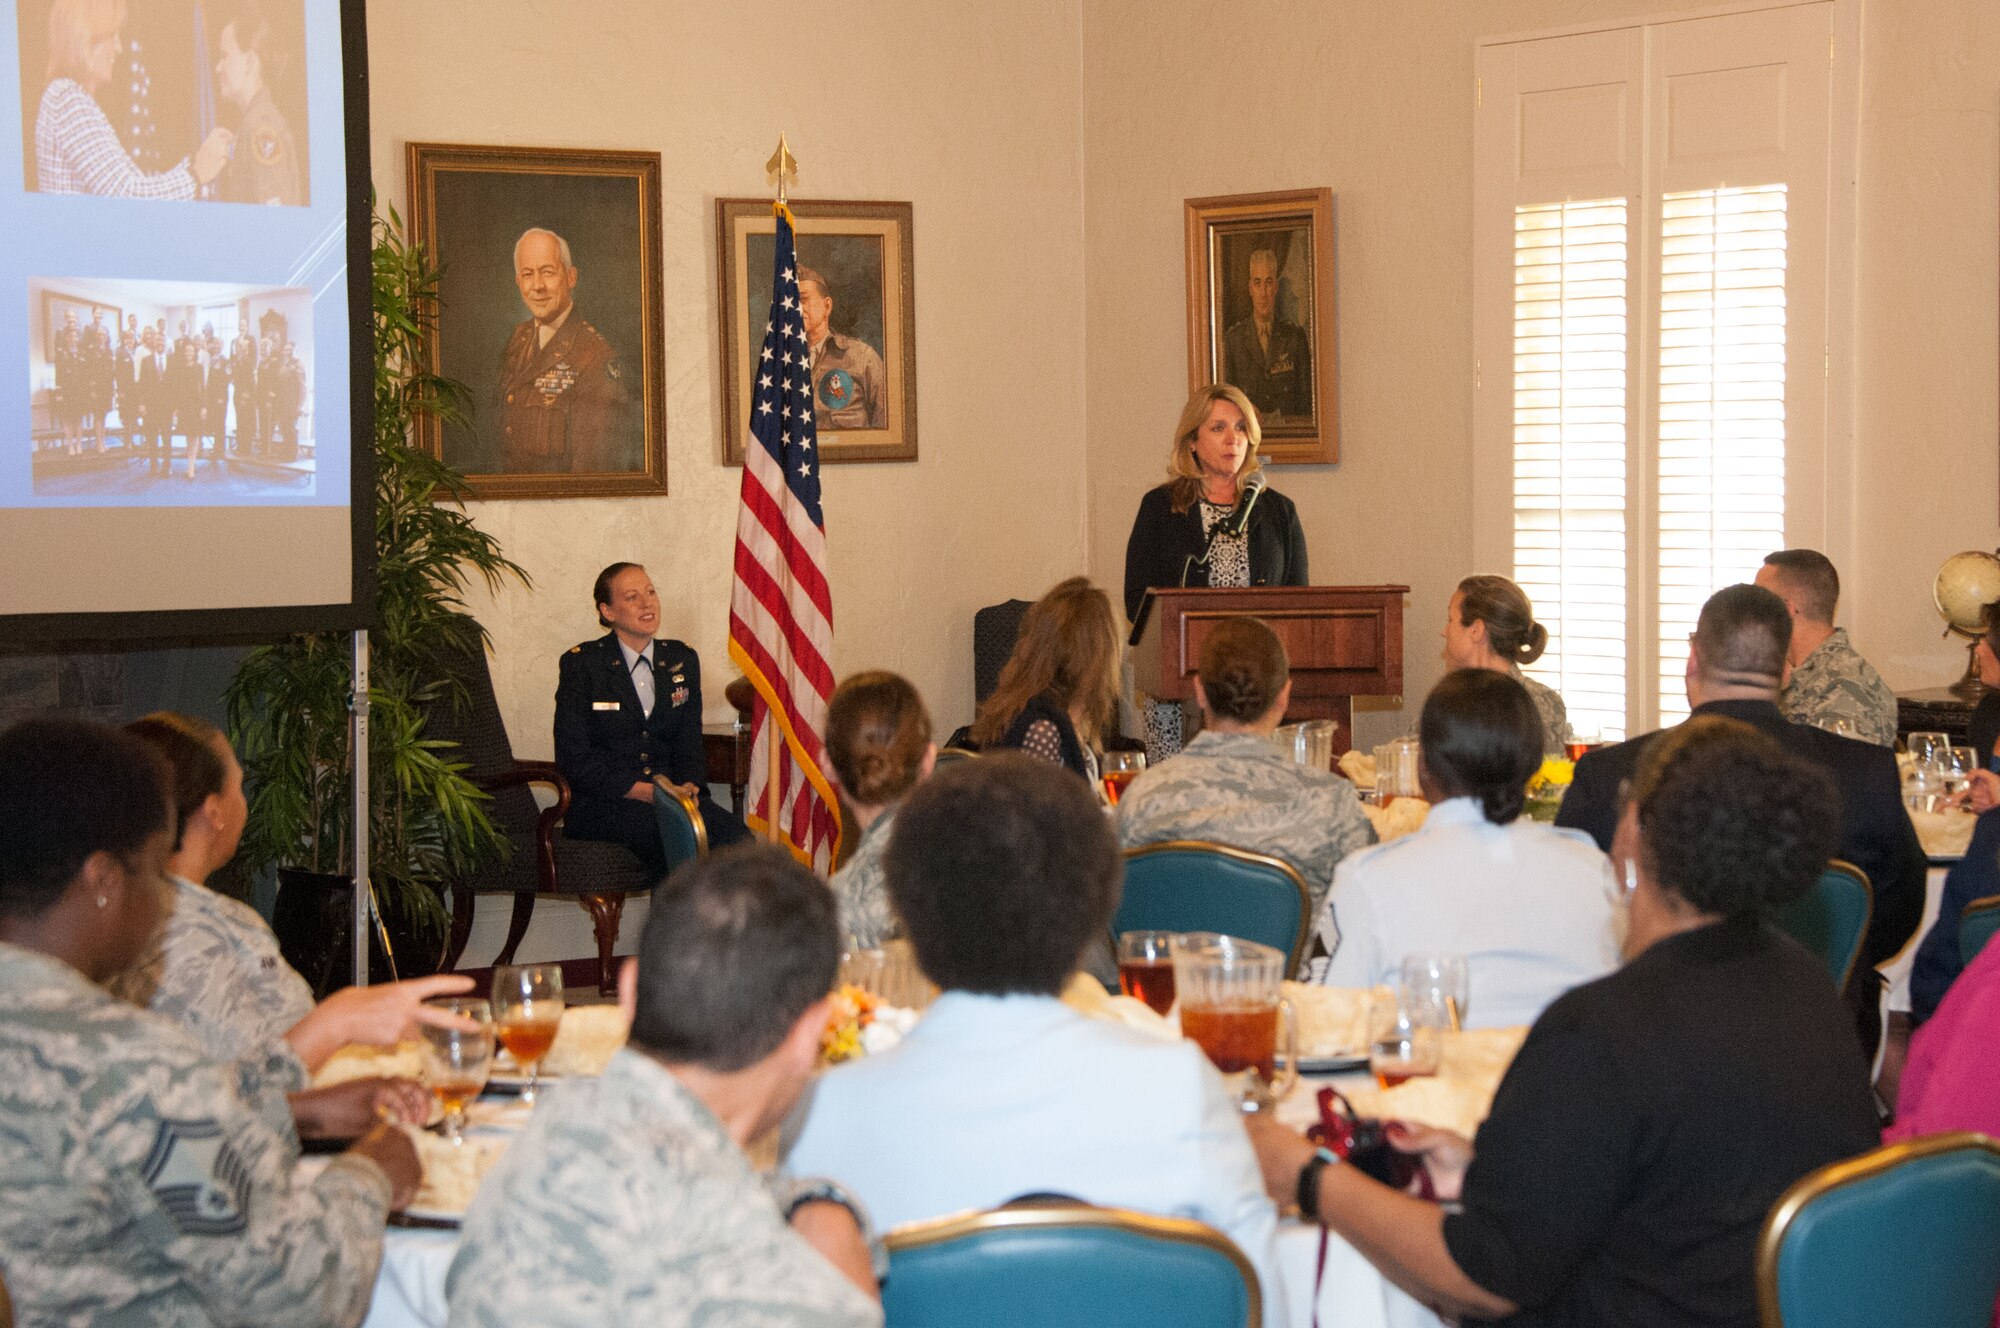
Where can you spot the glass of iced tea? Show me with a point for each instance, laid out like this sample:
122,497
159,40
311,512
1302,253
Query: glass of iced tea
1117,770
1230,1006
527,1012
457,1063
1577,742
1146,968
1405,1038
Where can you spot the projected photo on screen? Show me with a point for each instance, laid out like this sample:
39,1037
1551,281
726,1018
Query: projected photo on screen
183,382
136,385
165,99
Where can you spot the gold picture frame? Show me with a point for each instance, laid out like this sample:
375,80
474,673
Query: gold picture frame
864,254
1286,359
583,412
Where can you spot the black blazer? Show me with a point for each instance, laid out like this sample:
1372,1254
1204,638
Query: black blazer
1041,707
1875,830
1163,540
604,742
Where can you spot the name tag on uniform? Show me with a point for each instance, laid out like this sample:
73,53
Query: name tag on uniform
604,705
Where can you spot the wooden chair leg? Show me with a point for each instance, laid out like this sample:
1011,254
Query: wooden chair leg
517,926
461,925
606,911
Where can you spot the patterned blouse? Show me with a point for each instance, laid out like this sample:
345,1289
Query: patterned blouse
1228,555
78,152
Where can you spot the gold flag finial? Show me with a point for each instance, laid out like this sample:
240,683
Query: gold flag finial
782,164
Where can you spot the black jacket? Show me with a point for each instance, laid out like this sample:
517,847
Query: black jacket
1163,540
1038,708
1875,830
604,742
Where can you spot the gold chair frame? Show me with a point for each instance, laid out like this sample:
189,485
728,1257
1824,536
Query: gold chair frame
1847,868
1291,873
692,806
1064,1214
1771,1240
1977,908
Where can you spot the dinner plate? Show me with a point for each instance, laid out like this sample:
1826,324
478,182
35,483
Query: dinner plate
1343,1063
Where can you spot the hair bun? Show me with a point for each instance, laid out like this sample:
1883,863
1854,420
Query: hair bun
1531,649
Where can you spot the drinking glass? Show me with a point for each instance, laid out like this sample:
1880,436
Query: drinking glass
1441,980
1959,763
527,1013
1146,968
1405,1038
456,1063
1577,741
1116,770
1230,1007
1396,770
1927,749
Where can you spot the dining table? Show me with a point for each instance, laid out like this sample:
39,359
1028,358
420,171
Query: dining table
410,1288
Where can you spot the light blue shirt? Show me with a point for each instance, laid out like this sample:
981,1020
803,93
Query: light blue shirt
993,1097
1528,905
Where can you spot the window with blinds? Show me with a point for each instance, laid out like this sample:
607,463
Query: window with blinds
1721,476
1570,297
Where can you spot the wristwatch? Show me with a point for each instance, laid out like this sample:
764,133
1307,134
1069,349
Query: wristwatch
1308,1188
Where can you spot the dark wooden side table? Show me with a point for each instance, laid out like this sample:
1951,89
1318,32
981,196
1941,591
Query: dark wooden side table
727,746
1933,710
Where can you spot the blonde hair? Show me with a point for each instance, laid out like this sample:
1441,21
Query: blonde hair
1068,650
1181,463
74,27
877,732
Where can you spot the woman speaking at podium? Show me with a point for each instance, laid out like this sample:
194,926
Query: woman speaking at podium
1213,524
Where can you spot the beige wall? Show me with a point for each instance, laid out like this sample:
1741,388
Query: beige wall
1375,101
975,122
1048,157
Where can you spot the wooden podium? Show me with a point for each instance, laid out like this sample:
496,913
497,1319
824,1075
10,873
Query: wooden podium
1342,642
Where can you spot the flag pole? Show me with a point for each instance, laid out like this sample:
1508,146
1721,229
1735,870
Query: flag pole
781,164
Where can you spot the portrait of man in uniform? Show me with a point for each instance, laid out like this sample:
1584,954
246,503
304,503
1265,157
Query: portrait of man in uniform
855,312
563,406
549,314
1265,354
1262,314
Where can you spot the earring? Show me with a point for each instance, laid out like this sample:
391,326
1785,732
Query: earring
104,901
1631,877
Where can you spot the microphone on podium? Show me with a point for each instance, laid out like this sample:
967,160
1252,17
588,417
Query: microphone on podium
1239,520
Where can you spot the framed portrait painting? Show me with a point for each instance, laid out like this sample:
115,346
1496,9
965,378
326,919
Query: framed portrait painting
549,312
857,293
1260,312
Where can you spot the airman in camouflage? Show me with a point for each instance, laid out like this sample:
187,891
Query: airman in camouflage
217,972
1239,789
1828,685
1555,715
861,890
625,1202
150,1186
1834,685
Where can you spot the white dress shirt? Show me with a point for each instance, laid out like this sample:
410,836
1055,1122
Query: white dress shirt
642,678
993,1097
1528,905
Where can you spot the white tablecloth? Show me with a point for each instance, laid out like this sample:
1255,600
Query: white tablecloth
1896,971
409,1291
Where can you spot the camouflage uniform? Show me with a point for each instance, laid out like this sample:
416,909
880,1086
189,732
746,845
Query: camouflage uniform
150,1186
1239,789
866,917
1555,715
218,974
625,1203
1835,683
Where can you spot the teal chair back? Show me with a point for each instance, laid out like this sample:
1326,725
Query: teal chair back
683,834
1977,922
1831,918
1193,885
1062,1264
1907,1234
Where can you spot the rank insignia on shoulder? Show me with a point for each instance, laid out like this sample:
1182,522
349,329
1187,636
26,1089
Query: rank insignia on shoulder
197,1178
576,650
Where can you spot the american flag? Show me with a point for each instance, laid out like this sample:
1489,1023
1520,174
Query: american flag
780,609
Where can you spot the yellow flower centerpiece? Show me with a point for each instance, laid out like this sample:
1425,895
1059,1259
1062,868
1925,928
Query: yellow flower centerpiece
1547,786
853,1010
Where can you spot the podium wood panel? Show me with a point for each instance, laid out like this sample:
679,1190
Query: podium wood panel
1341,641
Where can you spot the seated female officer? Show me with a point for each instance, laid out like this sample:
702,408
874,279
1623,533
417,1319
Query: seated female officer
628,707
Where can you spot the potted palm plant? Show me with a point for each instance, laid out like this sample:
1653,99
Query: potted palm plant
288,703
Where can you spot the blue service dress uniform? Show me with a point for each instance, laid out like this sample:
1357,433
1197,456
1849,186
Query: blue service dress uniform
606,743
